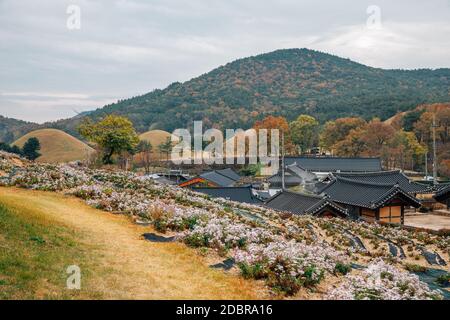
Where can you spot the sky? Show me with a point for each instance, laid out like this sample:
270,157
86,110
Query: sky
58,57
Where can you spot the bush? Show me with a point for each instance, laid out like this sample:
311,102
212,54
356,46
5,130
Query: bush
443,280
342,268
411,267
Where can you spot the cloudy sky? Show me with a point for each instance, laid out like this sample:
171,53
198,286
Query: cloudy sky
125,48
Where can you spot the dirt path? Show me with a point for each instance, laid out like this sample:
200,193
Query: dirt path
126,266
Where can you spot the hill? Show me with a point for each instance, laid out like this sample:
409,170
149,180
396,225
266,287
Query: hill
12,129
284,82
406,118
155,137
57,146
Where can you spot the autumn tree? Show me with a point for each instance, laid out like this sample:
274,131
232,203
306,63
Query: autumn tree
353,145
377,135
113,134
305,132
336,131
279,123
403,150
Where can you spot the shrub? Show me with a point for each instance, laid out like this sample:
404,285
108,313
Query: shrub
342,268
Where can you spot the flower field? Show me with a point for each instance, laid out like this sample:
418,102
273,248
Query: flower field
290,253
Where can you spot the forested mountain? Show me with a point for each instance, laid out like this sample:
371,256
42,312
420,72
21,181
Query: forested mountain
285,82
12,129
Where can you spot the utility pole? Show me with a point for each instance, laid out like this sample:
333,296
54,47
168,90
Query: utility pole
426,165
434,151
283,186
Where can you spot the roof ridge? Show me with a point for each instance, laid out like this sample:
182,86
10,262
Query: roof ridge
375,184
373,173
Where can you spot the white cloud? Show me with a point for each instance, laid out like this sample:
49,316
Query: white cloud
129,47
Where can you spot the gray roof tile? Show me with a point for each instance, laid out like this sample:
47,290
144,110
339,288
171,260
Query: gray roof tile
333,164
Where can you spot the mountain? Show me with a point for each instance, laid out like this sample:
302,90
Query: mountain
11,129
57,146
285,82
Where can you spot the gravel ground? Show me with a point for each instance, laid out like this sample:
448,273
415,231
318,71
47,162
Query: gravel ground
429,221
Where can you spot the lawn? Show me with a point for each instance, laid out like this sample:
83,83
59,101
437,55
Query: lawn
42,233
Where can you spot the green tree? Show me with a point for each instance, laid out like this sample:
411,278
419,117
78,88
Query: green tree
305,132
11,149
31,149
114,134
166,147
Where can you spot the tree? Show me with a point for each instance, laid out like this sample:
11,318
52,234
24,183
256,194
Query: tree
31,149
279,123
166,147
305,132
377,134
114,134
403,150
11,149
336,131
353,145
144,149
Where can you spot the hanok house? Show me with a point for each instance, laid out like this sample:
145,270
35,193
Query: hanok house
383,177
371,201
217,178
443,196
322,166
239,194
303,204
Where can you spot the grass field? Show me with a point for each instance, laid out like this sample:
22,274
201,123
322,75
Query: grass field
57,146
43,233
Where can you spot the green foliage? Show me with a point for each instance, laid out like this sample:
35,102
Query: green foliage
286,83
415,267
410,118
444,279
11,149
342,268
114,134
166,147
251,170
305,132
31,149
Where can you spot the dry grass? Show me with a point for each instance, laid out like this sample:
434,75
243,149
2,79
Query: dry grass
155,137
121,264
57,146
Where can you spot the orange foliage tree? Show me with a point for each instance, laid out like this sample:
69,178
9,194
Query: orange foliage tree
279,123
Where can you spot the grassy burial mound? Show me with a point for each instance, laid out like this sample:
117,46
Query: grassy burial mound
57,146
155,137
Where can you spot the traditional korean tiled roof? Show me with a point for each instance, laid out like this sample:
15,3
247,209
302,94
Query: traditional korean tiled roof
221,178
334,164
443,193
229,173
299,203
386,177
289,180
365,194
238,194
